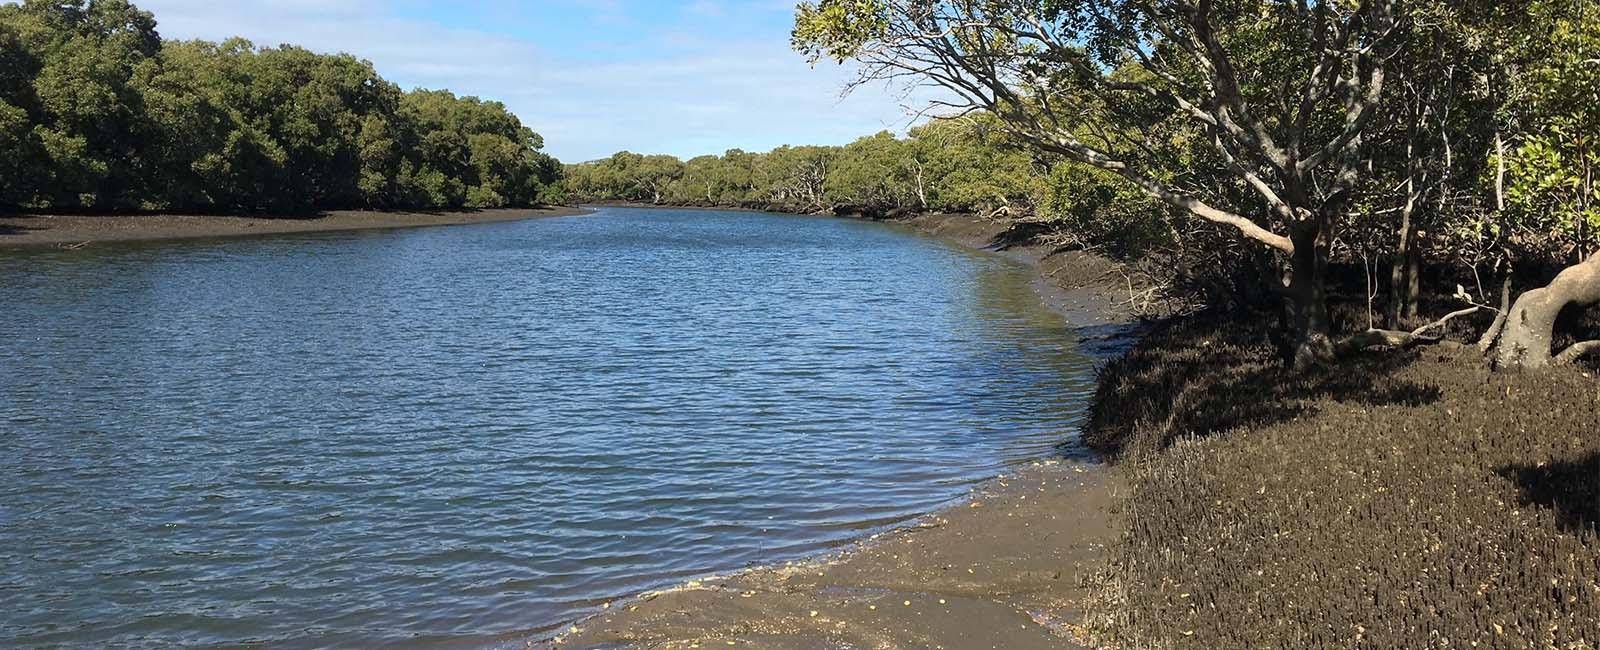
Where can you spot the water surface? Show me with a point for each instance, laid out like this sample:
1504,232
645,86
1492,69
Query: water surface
470,435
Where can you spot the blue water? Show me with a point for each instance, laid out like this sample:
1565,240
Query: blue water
470,435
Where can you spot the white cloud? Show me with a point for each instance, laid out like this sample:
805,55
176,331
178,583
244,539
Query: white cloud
683,93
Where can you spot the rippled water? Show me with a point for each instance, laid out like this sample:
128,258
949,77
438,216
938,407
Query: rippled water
469,435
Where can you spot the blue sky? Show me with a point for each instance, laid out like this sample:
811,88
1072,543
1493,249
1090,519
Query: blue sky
593,76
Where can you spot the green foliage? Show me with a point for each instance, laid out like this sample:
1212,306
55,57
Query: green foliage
1553,202
1098,210
1266,117
17,139
1552,198
971,166
480,144
97,111
69,67
951,165
837,29
627,176
876,173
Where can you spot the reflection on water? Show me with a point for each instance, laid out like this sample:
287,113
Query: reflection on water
472,434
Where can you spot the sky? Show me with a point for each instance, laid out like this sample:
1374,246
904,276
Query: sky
593,77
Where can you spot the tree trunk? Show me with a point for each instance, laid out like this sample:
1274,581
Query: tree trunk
1405,285
1530,327
922,191
1499,171
1414,283
1306,291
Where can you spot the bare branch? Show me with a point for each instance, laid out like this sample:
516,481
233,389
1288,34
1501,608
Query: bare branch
1402,339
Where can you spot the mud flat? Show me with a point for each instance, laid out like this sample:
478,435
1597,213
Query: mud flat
33,231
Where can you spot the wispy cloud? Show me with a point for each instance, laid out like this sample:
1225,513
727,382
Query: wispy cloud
593,76
706,8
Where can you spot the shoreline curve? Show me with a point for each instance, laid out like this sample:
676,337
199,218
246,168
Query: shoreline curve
1005,566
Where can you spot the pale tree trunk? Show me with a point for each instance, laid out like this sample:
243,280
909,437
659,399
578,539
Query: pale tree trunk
1499,171
922,191
1530,326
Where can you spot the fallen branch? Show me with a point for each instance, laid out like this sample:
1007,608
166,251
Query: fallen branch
1401,339
997,213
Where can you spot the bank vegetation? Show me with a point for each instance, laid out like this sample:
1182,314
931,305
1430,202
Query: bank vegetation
99,113
1380,431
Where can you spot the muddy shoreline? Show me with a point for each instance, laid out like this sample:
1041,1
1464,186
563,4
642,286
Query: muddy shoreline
76,231
1004,567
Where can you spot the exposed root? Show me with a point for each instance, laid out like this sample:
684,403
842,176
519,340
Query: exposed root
1575,351
1530,328
1493,333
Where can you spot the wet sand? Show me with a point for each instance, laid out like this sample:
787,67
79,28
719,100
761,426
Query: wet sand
1004,568
73,231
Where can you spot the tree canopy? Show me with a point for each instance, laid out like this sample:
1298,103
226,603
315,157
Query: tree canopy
1459,132
950,165
97,111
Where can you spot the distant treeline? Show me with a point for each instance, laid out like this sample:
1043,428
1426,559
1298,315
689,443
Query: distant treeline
945,165
98,112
